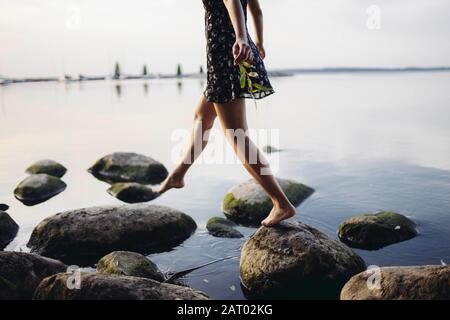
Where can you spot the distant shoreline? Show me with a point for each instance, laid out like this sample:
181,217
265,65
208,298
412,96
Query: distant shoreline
272,73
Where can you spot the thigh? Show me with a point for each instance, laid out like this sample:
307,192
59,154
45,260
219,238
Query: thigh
232,115
205,110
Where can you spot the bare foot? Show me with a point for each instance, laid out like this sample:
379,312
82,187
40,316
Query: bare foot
173,181
278,214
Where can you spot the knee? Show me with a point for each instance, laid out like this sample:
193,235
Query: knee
206,118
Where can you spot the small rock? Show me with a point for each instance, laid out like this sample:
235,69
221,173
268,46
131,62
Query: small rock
296,261
128,263
400,283
129,167
38,188
220,227
49,167
83,236
20,274
376,230
248,203
270,149
100,286
4,207
132,192
8,229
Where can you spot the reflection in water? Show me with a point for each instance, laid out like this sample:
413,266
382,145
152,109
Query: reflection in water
118,88
145,86
360,155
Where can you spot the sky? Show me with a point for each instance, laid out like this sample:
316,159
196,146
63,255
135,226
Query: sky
56,37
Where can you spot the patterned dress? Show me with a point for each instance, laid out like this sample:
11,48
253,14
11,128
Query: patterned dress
223,77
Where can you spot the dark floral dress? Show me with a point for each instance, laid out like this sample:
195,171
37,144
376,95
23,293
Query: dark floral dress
223,77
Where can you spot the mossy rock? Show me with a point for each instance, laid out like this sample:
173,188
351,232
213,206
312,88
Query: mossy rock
296,261
38,188
400,283
21,273
85,235
102,286
8,229
129,167
128,263
376,230
248,203
132,192
47,166
220,227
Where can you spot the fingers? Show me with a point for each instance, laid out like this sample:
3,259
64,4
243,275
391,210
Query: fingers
244,54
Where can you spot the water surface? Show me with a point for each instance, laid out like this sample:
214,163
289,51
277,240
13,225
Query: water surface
365,142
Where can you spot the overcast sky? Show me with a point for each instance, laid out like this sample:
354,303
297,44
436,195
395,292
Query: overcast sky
53,37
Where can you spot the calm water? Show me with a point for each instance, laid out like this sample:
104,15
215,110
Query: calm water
365,142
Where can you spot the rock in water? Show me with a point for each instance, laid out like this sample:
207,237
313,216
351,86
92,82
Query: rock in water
220,227
85,235
126,263
248,203
270,149
47,166
4,207
38,188
98,286
20,274
129,167
132,192
400,283
376,230
294,261
8,229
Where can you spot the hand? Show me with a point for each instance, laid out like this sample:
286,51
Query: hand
262,51
242,51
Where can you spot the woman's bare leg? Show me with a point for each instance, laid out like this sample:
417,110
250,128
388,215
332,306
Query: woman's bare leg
233,119
204,117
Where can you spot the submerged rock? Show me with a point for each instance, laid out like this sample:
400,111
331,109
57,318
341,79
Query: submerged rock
376,230
8,229
129,167
128,263
47,166
294,260
132,192
85,235
4,207
220,227
248,203
20,274
38,188
99,286
400,283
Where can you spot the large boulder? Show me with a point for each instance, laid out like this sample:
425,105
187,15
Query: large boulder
294,260
248,203
220,227
98,286
38,188
8,229
20,274
129,167
376,230
132,192
85,235
128,263
47,166
400,283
